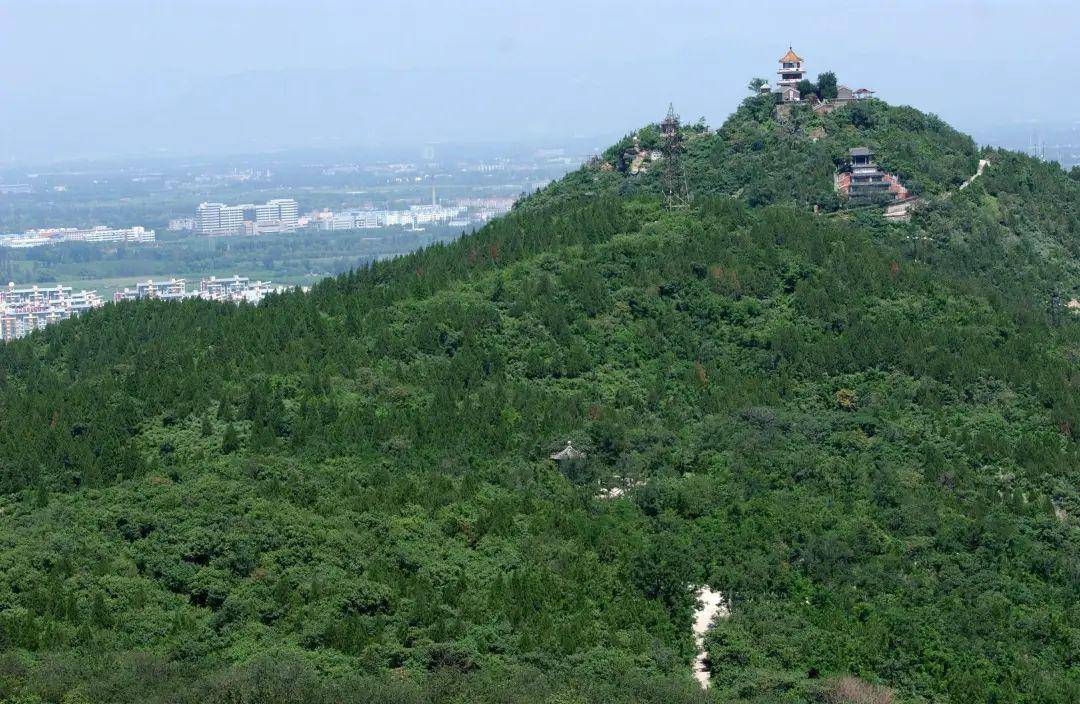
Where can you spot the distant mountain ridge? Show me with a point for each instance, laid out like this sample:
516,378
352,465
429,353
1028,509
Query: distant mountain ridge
259,111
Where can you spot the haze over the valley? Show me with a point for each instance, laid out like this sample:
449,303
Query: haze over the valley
131,78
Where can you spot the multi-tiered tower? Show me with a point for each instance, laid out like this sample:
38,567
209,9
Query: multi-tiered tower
791,72
868,182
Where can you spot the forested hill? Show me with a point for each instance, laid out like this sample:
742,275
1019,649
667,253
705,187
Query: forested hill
765,158
862,432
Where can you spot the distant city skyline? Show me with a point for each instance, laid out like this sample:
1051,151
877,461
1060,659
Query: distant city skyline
238,76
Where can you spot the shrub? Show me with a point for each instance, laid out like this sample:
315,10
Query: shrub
852,690
847,399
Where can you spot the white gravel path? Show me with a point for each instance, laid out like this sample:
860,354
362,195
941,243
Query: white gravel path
983,163
711,606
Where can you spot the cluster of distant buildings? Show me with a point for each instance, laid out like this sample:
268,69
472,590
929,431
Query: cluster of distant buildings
219,219
276,215
233,289
56,235
235,176
281,215
461,213
23,310
362,219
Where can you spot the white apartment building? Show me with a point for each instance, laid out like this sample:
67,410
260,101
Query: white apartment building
288,213
343,221
33,295
277,215
55,235
370,219
23,310
219,219
181,224
168,290
415,216
235,289
138,235
23,241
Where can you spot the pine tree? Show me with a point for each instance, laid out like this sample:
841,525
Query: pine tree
224,411
230,441
41,496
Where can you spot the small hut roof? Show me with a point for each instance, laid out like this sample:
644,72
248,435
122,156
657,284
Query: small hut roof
568,453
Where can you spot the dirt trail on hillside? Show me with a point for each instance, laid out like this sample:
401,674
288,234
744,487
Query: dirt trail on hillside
983,163
711,606
902,211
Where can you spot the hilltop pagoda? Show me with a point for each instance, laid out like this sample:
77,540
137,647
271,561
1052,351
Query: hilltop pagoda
791,72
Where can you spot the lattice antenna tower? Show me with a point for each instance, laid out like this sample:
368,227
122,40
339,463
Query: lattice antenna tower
676,189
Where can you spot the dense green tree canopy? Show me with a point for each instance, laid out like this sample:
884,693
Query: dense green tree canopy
862,432
807,89
826,85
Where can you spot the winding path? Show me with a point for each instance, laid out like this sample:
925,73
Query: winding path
983,163
902,211
711,606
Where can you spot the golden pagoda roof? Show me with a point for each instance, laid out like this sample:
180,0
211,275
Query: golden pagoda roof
790,56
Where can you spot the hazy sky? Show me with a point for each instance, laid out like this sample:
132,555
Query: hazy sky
100,77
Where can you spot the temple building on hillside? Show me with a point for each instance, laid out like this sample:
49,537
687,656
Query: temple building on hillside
791,72
866,182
